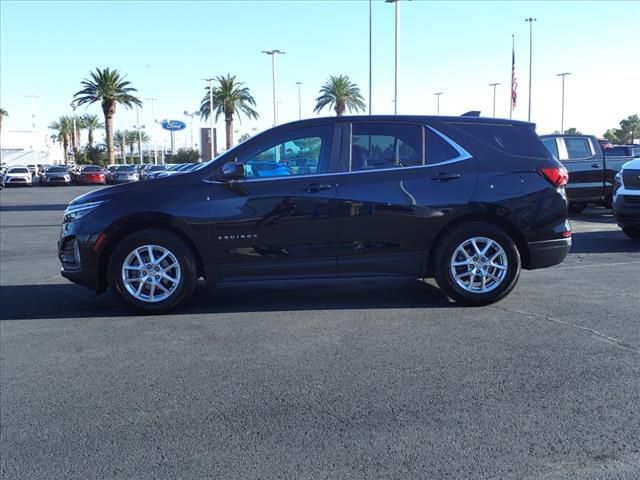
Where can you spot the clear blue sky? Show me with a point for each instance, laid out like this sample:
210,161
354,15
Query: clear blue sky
166,47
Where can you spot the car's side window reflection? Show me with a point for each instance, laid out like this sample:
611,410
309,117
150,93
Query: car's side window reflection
299,153
377,146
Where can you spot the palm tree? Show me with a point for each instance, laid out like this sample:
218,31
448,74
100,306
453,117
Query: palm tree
3,113
64,127
631,126
109,88
131,138
340,93
91,123
141,137
229,98
120,141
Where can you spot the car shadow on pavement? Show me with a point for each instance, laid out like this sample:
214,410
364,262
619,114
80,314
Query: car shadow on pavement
605,241
66,301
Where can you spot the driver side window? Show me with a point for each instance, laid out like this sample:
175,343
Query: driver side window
301,152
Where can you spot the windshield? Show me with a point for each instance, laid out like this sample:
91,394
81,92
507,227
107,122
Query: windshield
91,169
127,168
56,170
18,170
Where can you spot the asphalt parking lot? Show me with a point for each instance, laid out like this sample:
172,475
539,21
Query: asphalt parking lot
357,379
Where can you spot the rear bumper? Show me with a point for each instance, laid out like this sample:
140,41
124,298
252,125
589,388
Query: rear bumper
548,252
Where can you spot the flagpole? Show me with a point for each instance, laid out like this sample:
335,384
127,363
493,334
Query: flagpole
513,53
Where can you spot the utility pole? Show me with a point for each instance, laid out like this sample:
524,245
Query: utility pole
299,100
153,115
530,20
437,94
563,74
33,128
273,54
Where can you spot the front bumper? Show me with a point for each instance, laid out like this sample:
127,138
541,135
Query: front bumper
626,207
548,252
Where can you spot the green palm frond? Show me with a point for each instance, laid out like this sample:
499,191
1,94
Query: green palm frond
230,98
340,94
108,87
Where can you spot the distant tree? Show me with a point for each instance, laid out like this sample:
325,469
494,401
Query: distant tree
91,123
184,155
572,131
96,155
109,88
244,137
120,141
141,137
3,113
340,94
229,98
64,127
612,136
631,126
131,138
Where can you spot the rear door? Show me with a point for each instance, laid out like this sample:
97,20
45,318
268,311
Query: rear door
401,183
586,168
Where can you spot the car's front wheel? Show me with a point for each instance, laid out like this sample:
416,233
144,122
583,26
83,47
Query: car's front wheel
632,232
477,264
152,271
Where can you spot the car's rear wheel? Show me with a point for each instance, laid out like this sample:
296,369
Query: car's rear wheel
152,271
632,232
477,264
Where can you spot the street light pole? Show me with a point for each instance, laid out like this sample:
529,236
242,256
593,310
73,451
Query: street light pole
530,20
191,115
563,74
494,85
273,54
299,100
395,88
153,133
370,57
437,94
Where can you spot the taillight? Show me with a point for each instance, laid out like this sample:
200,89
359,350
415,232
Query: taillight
557,176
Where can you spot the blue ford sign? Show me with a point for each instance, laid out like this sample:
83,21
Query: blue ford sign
173,125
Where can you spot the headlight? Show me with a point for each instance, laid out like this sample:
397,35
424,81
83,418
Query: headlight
74,212
618,182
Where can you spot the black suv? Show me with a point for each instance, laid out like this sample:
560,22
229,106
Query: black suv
465,199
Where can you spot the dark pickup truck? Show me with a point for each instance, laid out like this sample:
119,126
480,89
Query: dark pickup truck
591,173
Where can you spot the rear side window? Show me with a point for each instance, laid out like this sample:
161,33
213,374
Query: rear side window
578,148
376,146
438,150
551,145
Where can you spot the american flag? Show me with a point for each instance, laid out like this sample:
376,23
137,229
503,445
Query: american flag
514,80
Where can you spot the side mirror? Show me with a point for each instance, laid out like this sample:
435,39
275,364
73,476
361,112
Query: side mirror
233,171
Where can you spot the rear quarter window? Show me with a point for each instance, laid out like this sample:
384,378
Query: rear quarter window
510,139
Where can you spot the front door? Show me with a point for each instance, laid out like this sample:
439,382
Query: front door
278,220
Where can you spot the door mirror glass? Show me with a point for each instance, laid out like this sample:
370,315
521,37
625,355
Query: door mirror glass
232,171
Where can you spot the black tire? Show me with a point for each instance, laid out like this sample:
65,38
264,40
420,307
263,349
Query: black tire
632,232
180,253
506,265
577,207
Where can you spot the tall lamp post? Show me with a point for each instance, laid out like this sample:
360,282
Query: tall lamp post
273,54
494,85
437,94
153,133
395,88
563,74
75,129
299,100
210,80
530,20
191,115
370,56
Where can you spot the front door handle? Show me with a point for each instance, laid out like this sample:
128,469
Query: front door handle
315,188
444,177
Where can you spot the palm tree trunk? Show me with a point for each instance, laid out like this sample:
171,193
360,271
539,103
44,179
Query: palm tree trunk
91,138
109,110
228,120
339,108
65,146
122,155
140,151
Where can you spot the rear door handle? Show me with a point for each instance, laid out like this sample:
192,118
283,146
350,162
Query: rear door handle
444,177
595,165
315,188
